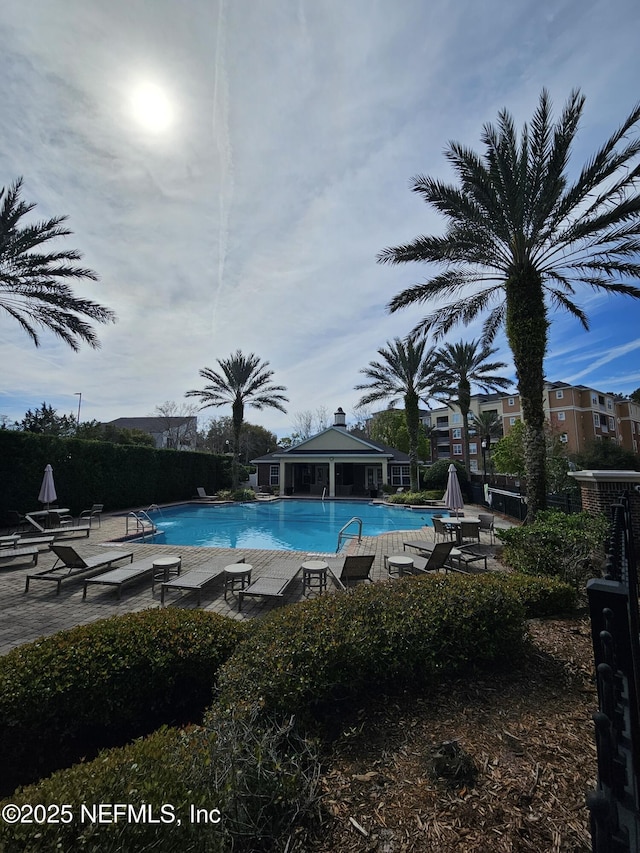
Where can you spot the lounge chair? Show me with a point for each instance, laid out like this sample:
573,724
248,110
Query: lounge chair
16,553
74,565
352,569
18,541
273,585
63,530
197,579
437,558
123,575
202,494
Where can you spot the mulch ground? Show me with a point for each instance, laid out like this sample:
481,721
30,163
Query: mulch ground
529,736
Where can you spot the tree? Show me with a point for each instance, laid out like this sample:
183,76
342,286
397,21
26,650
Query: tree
509,457
508,453
390,428
179,425
521,237
242,381
459,365
33,285
405,372
487,426
605,455
46,421
635,396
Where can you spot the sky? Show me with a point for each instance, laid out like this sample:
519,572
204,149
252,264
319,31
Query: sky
232,169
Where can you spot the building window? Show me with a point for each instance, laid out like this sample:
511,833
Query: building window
633,427
596,419
561,416
274,475
442,421
400,475
635,446
456,418
457,433
473,464
511,401
559,394
512,421
457,450
612,424
609,405
594,399
473,448
564,438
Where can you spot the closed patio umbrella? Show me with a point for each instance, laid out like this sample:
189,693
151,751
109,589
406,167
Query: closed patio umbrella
47,489
453,496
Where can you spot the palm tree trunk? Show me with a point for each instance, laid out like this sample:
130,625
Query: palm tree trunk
412,417
527,327
238,418
464,402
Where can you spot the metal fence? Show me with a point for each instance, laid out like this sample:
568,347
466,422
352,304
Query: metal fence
613,606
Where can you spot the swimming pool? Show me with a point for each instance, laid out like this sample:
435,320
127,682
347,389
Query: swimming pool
273,525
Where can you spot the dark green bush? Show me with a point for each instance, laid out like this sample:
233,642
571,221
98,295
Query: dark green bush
435,477
261,776
570,547
541,597
304,656
101,684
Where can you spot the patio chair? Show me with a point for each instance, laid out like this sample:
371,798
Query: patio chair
17,521
470,530
16,553
439,554
487,523
94,513
353,569
440,530
73,564
202,494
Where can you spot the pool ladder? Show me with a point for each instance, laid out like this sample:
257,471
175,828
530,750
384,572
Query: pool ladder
143,524
344,535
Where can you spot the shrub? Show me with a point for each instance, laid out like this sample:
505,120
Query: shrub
261,776
303,657
243,495
436,476
570,547
541,597
101,684
415,498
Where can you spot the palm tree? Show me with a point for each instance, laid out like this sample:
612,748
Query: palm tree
487,425
520,237
406,371
33,285
243,381
458,366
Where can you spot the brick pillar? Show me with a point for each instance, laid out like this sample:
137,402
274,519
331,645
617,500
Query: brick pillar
600,489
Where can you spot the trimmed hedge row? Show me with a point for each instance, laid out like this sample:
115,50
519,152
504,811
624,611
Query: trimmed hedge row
338,646
104,683
295,662
540,597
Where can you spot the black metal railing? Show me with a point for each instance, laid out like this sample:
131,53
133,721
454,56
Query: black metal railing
613,605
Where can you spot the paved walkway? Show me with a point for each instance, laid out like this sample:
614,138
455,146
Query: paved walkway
25,617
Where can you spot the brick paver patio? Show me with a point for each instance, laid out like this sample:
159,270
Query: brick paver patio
25,617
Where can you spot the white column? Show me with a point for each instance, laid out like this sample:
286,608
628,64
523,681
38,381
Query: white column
332,478
281,476
385,472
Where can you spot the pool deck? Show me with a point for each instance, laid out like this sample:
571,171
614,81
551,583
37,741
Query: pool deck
40,612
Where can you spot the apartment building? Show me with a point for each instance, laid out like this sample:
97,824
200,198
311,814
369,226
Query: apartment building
577,413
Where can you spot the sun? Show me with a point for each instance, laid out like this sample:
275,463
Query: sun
151,107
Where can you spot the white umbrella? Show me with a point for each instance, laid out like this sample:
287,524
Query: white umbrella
47,489
453,496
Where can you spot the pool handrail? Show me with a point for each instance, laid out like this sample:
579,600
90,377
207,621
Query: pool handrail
342,535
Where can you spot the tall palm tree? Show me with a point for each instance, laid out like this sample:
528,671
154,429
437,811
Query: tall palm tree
521,237
405,372
487,425
459,365
33,284
242,381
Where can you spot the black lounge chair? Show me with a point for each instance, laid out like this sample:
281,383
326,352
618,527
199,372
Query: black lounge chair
124,574
74,565
273,585
352,569
196,579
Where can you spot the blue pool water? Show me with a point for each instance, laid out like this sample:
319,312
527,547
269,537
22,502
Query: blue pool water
273,525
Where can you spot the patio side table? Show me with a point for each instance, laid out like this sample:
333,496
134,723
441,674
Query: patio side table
236,573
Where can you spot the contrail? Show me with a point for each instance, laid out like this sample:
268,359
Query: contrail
223,144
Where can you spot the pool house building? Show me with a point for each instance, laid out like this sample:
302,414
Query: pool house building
334,463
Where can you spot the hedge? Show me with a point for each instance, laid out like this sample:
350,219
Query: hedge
87,472
342,645
101,684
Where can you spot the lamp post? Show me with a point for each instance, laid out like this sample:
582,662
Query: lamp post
484,444
78,394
